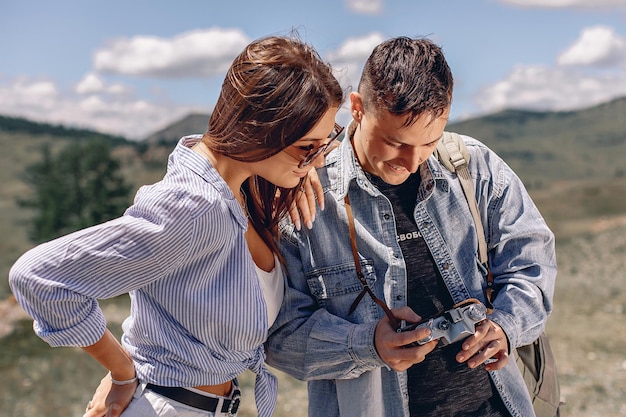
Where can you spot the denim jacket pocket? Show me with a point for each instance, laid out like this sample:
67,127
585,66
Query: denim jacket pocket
336,287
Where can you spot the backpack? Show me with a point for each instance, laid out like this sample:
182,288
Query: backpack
535,361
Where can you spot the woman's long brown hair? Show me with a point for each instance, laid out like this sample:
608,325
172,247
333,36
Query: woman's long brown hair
274,93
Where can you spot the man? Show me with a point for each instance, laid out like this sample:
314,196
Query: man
417,248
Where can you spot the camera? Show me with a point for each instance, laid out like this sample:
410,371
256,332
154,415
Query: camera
452,325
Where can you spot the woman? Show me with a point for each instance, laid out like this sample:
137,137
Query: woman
196,251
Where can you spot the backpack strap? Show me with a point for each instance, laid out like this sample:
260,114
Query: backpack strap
454,155
451,151
536,360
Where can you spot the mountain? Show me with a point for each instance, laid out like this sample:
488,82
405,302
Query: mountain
542,147
552,146
19,125
193,123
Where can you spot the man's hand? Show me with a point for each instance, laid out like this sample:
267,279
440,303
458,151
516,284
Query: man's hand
110,400
390,344
488,343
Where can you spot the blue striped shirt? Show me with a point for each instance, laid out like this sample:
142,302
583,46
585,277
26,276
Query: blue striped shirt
198,316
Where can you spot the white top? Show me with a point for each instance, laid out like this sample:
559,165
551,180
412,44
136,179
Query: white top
273,289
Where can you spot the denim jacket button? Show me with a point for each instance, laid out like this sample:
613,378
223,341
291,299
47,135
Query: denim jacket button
386,216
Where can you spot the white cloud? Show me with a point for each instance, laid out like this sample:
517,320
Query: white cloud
543,88
28,95
597,46
134,118
118,89
348,59
589,72
116,114
112,107
356,49
199,53
365,6
93,83
563,4
347,62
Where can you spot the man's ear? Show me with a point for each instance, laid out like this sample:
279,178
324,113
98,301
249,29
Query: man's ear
356,106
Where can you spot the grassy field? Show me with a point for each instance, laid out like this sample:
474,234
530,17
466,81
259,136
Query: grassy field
586,330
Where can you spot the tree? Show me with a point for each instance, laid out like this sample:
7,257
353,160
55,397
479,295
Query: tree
79,187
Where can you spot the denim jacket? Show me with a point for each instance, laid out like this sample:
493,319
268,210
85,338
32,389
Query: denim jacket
314,337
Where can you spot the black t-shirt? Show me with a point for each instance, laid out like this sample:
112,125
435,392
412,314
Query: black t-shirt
439,386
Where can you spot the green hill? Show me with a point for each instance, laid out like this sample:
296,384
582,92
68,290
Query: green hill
21,142
543,147
193,123
570,161
17,125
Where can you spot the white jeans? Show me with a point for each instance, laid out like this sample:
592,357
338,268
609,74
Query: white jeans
146,403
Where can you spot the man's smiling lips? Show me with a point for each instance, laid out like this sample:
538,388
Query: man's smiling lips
396,168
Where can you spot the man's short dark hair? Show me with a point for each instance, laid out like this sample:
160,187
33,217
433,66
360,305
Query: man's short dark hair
407,77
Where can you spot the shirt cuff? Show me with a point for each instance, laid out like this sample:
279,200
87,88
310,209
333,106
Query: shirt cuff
85,333
361,346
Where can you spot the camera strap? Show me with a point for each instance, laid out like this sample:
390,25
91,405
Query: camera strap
393,320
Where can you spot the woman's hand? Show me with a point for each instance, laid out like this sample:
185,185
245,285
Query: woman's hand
110,400
303,211
487,345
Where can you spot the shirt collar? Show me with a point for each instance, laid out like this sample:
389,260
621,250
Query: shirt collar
349,168
185,156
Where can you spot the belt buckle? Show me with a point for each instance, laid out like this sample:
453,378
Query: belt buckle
234,404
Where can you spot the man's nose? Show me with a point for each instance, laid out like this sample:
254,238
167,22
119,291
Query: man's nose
414,159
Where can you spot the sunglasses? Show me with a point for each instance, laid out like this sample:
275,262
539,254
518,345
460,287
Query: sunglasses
314,153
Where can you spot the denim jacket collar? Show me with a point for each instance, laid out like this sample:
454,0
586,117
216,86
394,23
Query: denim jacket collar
348,169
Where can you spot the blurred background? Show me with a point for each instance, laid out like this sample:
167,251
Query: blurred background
93,97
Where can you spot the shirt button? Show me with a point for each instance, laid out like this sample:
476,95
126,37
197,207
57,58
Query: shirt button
386,216
399,297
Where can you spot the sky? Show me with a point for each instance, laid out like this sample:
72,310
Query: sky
132,67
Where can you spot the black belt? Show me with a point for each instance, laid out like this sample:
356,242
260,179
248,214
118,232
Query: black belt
190,398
